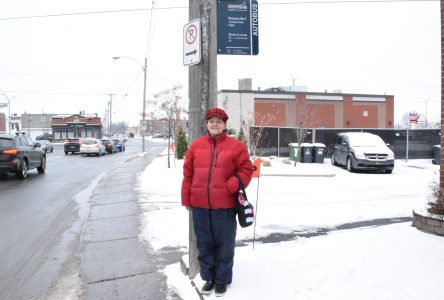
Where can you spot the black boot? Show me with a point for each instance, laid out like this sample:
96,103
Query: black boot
220,290
207,287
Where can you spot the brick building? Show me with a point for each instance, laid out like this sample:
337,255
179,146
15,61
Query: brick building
282,108
77,125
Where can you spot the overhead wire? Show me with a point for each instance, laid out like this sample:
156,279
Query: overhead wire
186,7
154,8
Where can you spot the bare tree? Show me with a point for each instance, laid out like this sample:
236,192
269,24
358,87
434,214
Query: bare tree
257,135
304,118
168,103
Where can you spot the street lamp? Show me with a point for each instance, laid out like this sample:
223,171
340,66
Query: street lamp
9,113
144,67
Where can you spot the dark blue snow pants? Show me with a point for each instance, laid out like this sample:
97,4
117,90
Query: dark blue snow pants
216,236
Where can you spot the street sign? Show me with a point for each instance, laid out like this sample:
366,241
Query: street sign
191,43
237,27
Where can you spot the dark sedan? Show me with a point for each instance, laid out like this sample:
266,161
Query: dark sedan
109,146
72,145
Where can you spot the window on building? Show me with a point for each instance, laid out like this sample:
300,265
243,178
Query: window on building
58,135
365,113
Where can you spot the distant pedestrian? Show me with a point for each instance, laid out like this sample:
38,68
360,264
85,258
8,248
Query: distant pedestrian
210,181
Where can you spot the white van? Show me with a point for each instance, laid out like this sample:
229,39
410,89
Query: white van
362,151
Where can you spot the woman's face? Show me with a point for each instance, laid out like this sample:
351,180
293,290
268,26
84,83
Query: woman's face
215,126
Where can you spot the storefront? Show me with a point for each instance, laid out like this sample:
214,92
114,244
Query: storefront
71,126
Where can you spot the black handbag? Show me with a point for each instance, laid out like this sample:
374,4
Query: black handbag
245,210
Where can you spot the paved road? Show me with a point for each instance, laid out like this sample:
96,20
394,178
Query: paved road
74,231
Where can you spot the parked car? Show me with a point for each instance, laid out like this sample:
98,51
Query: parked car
109,145
72,145
120,145
92,146
46,145
18,154
362,151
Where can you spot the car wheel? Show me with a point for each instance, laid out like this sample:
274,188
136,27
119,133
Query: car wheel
350,165
23,172
66,152
333,161
52,150
389,171
42,167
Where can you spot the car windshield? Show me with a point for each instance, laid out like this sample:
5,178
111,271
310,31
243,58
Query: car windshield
73,140
6,143
106,141
90,142
365,140
45,142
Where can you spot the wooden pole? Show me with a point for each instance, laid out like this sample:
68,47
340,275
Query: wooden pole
202,91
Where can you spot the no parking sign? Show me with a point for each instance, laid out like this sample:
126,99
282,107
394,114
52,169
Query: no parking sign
191,43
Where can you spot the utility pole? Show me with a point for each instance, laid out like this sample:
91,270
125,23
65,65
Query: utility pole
202,91
110,103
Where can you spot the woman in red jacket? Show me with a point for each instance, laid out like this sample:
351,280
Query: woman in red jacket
210,181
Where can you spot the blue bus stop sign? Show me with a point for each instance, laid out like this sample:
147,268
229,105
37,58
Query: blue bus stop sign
237,27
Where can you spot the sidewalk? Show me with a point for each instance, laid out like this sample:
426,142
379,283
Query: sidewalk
385,262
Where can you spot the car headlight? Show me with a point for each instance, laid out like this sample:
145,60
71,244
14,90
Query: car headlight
359,155
391,156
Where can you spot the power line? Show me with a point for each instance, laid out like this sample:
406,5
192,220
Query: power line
61,93
343,1
91,13
186,7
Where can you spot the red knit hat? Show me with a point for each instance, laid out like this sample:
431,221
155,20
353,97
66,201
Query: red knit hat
216,112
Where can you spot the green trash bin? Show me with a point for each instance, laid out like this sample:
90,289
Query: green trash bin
306,152
318,153
436,154
293,147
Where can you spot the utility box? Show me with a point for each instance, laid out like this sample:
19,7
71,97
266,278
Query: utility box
293,150
306,152
436,154
318,153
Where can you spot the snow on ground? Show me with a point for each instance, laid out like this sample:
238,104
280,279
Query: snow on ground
387,262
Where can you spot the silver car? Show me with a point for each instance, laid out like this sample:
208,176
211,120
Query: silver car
92,146
45,145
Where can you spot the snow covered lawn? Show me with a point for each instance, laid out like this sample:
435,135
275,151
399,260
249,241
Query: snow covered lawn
386,262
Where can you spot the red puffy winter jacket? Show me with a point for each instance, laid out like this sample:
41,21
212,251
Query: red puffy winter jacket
209,171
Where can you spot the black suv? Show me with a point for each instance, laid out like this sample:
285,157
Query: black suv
72,145
18,154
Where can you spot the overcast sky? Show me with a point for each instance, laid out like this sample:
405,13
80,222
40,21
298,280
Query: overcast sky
60,61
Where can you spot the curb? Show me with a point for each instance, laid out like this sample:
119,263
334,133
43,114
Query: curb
299,175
